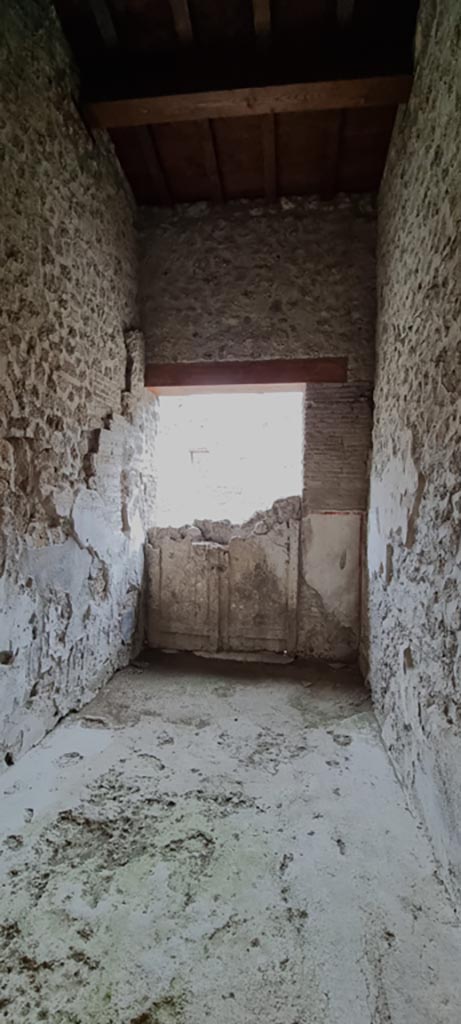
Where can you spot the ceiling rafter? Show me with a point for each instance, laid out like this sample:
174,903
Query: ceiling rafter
269,149
272,99
333,137
185,88
182,21
154,165
345,12
262,20
211,160
105,23
262,26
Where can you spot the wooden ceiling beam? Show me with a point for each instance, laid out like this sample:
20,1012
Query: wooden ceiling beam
271,99
182,21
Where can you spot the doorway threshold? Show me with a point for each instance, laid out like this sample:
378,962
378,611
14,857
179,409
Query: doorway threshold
265,657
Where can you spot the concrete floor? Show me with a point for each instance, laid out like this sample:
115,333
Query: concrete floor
219,842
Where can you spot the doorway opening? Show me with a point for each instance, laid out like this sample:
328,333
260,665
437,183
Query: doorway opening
226,454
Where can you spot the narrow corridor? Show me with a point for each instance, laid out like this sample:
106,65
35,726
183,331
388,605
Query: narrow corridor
222,842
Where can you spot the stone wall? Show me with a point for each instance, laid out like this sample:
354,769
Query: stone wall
75,426
252,281
413,640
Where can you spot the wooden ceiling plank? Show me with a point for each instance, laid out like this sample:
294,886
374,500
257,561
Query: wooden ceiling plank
364,145
262,20
239,145
344,12
182,21
211,158
328,370
156,171
332,155
269,157
104,21
271,99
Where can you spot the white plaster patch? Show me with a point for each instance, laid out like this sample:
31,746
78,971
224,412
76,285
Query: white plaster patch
56,567
392,495
330,563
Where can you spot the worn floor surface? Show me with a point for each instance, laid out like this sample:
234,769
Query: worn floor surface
223,843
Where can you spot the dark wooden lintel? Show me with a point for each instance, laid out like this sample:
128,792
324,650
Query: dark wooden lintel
259,372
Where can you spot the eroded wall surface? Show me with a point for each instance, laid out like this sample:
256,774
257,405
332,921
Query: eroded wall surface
75,426
251,281
414,629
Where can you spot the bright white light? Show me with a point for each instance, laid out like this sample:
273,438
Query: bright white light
226,456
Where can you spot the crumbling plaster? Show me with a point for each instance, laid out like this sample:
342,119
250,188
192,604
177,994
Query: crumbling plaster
75,425
412,639
329,586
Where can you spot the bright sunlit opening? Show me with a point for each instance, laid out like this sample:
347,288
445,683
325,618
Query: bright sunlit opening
226,456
